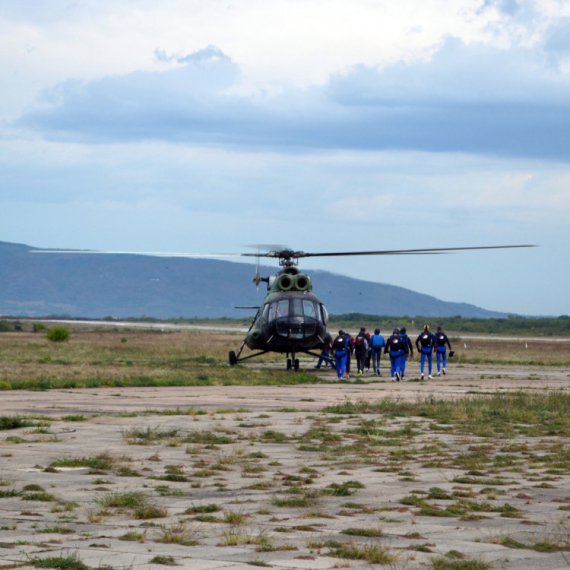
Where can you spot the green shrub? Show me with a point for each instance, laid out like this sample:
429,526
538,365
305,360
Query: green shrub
58,334
13,422
69,562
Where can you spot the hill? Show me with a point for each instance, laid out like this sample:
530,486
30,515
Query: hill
97,286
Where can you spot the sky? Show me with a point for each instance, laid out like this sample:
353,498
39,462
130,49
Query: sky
322,125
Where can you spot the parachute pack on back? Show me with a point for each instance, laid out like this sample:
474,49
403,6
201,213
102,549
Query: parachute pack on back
377,341
339,343
425,340
360,343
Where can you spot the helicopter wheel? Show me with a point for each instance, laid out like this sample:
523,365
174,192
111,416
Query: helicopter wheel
288,364
296,364
233,358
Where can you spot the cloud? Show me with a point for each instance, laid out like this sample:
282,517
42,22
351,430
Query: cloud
468,98
207,55
558,40
508,7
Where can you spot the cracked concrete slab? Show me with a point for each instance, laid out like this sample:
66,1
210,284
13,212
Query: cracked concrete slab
276,473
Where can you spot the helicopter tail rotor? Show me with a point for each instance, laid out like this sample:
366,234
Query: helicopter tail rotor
257,280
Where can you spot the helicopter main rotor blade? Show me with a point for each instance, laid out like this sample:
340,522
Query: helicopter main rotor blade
408,251
282,254
151,253
266,247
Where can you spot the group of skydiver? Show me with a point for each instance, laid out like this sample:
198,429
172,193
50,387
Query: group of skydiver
368,348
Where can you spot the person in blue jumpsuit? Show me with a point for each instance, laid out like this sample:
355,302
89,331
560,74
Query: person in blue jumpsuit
326,353
441,341
377,343
361,350
340,348
349,352
394,347
425,344
408,351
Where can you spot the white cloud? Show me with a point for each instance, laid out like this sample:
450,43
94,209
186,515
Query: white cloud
293,42
468,98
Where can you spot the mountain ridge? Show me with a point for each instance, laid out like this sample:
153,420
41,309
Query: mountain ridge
127,285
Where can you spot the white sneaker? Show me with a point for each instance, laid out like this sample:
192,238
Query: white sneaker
422,376
443,370
392,379
439,374
430,377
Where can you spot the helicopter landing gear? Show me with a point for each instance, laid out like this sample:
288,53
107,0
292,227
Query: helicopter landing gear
293,362
233,358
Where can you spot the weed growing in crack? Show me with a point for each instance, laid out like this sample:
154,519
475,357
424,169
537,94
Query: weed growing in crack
181,532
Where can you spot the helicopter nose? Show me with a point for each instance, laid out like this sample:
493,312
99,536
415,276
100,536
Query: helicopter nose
296,328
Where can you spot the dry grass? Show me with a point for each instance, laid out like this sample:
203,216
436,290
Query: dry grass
140,357
97,357
540,353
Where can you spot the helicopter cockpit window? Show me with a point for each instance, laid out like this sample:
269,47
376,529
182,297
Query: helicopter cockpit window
265,313
309,309
325,314
282,308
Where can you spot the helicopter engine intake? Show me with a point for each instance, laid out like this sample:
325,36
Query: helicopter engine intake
285,283
302,283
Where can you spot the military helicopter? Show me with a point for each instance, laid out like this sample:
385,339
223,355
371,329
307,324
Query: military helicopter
292,319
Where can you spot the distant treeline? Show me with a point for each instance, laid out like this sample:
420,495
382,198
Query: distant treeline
513,325
546,326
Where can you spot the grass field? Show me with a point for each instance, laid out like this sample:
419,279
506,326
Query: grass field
98,357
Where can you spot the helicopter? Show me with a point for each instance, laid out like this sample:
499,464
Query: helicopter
291,320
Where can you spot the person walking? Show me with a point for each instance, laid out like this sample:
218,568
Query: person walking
408,350
441,341
340,349
377,343
394,347
361,350
368,354
349,352
425,344
326,352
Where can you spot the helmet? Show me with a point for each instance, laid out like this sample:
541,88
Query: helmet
426,328
396,331
403,330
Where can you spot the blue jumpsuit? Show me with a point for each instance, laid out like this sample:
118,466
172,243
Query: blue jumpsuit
440,351
424,344
394,347
340,358
377,343
407,350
